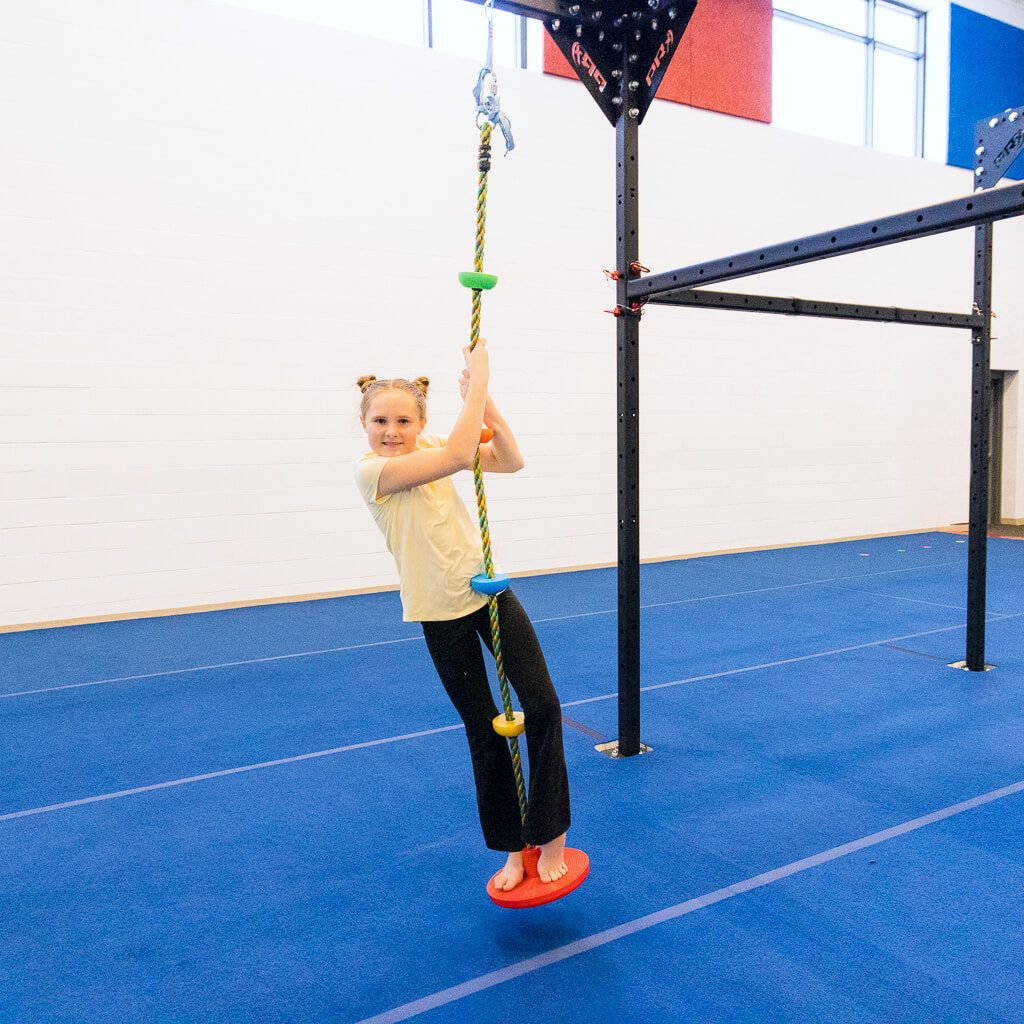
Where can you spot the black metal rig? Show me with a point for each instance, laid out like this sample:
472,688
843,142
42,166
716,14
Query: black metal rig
620,51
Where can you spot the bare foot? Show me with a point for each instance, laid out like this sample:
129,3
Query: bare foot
551,865
511,874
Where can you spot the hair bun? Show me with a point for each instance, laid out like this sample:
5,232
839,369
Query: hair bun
422,383
364,382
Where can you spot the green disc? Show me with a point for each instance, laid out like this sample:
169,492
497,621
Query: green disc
471,279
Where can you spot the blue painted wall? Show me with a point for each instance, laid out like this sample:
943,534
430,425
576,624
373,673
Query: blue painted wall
986,75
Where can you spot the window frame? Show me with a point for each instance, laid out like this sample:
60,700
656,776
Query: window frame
521,43
871,47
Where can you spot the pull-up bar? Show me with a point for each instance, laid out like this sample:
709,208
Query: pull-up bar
981,208
792,306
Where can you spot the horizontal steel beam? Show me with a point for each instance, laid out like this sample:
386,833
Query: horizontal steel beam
813,307
535,9
996,204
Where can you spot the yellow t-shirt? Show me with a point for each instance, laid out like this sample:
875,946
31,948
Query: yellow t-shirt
436,545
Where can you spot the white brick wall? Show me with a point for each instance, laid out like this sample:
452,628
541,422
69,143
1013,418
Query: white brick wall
212,221
1013,470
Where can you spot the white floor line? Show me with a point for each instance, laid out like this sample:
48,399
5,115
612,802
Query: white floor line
227,771
889,572
584,945
450,728
783,586
378,643
899,597
733,593
770,664
206,668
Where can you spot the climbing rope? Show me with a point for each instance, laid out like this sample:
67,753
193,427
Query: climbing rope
478,475
489,113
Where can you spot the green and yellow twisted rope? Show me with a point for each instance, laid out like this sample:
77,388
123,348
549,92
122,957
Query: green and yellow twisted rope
478,476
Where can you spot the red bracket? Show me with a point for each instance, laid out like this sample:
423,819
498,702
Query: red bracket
634,309
635,270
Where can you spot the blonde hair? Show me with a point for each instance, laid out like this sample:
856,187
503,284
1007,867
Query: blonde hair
371,387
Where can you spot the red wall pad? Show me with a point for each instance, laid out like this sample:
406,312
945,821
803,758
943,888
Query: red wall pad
724,61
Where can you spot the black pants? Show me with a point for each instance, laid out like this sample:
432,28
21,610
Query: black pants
455,648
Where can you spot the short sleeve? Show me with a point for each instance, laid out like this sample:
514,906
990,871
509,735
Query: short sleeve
368,471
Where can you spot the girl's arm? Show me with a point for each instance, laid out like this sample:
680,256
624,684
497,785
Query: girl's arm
501,454
424,466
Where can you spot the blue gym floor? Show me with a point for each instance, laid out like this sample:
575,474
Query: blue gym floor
266,815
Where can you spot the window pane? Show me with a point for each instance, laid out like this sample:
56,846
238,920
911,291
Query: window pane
895,128
851,15
896,26
461,28
403,22
819,82
534,44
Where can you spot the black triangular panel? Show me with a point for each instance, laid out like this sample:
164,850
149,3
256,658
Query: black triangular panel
999,140
664,42
602,40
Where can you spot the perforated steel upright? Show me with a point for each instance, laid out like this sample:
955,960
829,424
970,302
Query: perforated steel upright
981,446
628,338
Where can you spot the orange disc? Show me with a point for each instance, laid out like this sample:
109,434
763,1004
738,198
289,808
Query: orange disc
486,434
532,892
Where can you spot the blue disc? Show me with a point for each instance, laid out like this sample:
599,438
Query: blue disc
490,585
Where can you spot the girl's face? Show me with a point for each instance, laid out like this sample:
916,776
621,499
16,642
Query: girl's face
393,423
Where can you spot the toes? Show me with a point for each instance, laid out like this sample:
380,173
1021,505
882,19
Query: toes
554,874
506,881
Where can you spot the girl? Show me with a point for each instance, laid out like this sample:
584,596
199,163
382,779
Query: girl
406,482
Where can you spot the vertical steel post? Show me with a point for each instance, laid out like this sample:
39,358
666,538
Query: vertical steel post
628,337
981,397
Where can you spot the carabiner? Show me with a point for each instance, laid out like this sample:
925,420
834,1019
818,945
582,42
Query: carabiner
488,107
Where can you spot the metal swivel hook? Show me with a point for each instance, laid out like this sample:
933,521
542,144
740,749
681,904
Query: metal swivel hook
488,106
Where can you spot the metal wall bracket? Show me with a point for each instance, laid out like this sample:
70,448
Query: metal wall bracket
998,141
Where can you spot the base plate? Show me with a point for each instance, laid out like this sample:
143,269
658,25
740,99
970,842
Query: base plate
532,892
611,749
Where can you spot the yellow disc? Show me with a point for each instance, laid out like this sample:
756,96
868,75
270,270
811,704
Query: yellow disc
503,727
